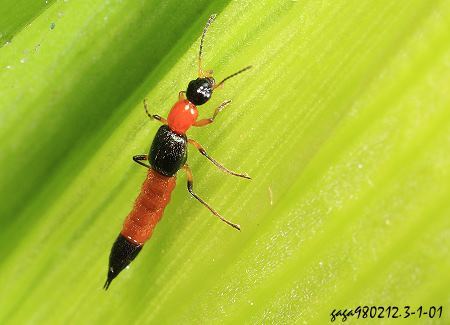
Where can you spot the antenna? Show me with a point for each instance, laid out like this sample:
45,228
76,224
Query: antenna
209,22
231,76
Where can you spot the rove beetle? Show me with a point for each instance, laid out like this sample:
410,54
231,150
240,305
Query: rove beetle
167,155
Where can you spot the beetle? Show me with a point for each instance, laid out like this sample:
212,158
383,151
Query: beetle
167,155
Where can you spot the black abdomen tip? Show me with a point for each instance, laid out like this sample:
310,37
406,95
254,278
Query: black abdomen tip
122,254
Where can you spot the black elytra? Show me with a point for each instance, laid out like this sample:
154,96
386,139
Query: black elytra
199,91
168,152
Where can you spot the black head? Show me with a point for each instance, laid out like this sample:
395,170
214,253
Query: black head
199,91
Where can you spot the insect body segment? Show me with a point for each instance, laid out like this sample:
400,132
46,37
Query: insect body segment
199,91
148,207
168,152
167,155
182,116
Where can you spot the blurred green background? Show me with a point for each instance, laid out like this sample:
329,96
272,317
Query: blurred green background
343,123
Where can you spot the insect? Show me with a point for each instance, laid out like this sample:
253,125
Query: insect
167,155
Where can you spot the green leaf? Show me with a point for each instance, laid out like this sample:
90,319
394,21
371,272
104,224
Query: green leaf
343,124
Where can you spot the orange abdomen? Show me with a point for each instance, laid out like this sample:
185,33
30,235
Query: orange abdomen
148,207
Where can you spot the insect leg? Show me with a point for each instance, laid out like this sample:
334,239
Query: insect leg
154,116
207,121
140,158
215,162
190,186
